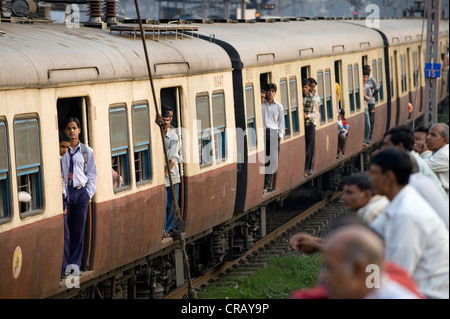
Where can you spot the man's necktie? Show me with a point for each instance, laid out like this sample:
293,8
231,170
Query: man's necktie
70,181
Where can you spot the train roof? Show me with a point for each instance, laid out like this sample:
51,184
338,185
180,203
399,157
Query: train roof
403,31
41,55
263,42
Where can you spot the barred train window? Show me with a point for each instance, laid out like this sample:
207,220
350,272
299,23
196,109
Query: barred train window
141,143
118,125
351,94
285,103
4,180
219,122
356,87
319,91
28,163
251,122
391,63
294,104
376,77
203,129
380,80
328,95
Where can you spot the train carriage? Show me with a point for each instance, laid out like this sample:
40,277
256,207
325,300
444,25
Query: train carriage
284,53
101,79
211,75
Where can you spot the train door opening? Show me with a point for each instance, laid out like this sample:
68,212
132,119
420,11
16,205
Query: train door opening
305,72
408,72
264,79
337,79
365,61
172,97
397,88
79,107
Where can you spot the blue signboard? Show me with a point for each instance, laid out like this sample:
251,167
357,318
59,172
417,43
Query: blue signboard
432,70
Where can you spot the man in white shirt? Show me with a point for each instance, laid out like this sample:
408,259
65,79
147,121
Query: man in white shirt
173,147
273,122
437,142
416,238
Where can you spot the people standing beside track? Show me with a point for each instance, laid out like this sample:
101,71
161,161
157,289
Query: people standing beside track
263,96
327,286
273,123
311,111
371,103
403,138
354,268
367,90
358,197
416,238
172,145
437,142
80,172
420,142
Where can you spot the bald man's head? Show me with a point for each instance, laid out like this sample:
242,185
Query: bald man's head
347,253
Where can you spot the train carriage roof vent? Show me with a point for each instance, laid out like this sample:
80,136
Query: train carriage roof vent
158,32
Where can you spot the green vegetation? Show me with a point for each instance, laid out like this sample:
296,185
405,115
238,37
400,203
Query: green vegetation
281,276
443,113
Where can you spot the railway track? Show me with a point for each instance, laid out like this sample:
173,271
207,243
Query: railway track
281,224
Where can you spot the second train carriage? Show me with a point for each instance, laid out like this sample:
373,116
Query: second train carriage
100,76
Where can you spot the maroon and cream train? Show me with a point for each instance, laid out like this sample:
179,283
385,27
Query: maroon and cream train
211,74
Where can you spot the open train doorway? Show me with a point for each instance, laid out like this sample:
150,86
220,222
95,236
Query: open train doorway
338,81
79,107
264,79
172,98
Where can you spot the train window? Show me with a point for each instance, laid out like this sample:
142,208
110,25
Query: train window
141,143
403,72
219,122
356,87
4,180
328,94
28,163
380,80
294,105
351,94
285,102
203,130
375,76
391,74
415,70
320,93
251,122
118,125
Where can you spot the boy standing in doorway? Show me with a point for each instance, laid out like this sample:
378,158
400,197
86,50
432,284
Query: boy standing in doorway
80,172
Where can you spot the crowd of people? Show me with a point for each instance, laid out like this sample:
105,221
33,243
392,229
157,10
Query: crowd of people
396,245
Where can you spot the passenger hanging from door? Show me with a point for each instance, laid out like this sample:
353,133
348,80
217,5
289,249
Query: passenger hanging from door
80,172
173,147
273,122
311,111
